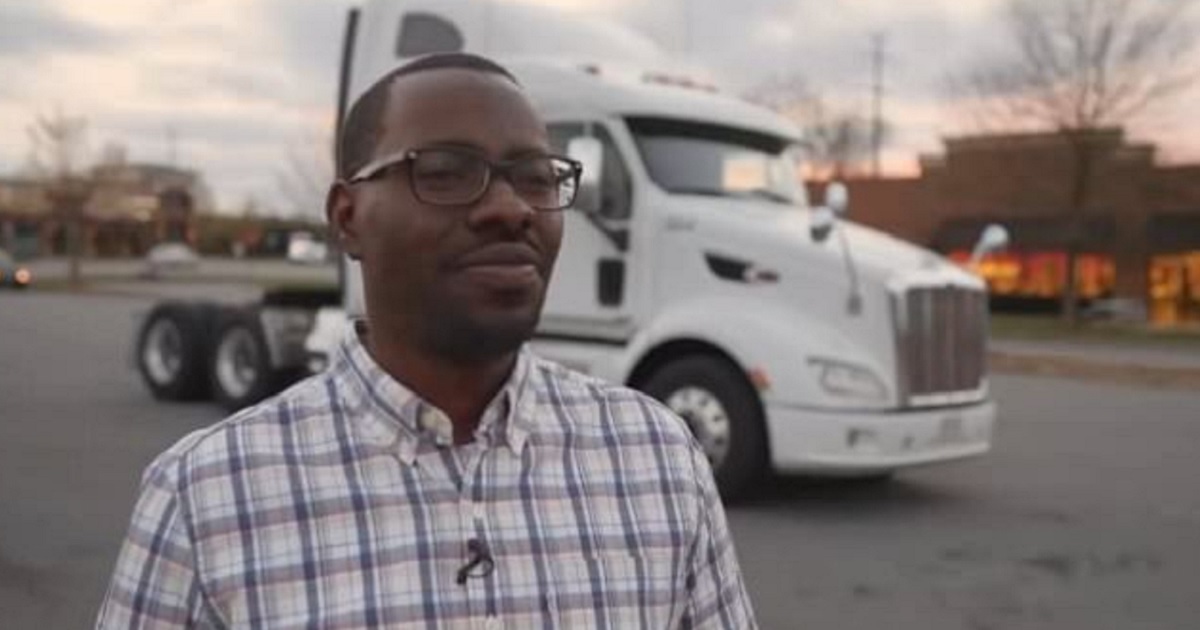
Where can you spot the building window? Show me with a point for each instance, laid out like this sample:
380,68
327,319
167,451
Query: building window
616,186
425,33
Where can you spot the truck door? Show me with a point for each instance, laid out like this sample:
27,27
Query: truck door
589,296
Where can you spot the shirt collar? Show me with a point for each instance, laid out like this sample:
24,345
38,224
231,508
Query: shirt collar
392,415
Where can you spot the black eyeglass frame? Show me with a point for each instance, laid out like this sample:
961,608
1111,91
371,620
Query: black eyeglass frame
378,166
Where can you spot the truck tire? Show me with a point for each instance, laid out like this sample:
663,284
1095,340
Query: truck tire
240,369
171,351
724,413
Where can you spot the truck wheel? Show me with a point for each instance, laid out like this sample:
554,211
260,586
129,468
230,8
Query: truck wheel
723,412
171,352
240,370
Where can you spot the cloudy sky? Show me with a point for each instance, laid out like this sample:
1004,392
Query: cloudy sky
238,88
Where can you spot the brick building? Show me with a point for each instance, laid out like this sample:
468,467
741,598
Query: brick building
1140,229
129,208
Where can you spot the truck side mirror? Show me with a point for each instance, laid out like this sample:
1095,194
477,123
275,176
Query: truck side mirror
590,153
994,238
821,223
837,198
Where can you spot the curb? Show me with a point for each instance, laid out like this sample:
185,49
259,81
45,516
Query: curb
1158,377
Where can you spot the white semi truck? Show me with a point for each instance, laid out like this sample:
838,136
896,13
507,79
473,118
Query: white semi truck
692,268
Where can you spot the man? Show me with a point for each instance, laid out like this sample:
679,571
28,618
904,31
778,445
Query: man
438,475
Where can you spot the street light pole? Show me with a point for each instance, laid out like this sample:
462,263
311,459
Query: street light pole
878,43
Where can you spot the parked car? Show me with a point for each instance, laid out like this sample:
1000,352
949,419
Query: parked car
12,274
1115,310
307,252
168,258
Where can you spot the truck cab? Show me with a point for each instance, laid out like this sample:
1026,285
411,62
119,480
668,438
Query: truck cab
694,268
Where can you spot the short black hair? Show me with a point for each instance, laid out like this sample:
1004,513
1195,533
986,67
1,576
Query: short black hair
363,123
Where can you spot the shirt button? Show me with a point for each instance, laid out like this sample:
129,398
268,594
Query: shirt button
437,423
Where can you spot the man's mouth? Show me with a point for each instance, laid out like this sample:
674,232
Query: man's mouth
503,265
501,255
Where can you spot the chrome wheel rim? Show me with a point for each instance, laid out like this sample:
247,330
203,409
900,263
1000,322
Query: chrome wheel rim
237,362
707,418
162,354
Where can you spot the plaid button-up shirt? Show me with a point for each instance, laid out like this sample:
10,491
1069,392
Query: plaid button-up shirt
343,503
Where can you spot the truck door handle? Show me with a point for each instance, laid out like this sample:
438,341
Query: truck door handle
681,224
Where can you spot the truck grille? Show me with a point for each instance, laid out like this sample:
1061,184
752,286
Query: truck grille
941,344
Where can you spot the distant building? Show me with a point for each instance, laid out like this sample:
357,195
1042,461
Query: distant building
130,208
24,207
1141,227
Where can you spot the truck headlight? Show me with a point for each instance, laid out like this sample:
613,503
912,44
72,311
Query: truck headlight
847,380
317,362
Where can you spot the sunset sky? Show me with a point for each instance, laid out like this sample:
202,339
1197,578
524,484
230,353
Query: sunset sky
241,84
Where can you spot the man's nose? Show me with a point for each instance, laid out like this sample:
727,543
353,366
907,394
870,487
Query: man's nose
501,204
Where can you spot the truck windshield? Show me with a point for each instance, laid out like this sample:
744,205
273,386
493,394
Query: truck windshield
686,157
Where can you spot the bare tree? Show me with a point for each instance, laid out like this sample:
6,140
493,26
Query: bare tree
837,141
57,143
57,147
1078,66
304,177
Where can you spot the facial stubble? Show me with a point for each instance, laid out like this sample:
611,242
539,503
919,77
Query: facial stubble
459,335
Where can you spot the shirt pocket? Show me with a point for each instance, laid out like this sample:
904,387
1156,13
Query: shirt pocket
613,590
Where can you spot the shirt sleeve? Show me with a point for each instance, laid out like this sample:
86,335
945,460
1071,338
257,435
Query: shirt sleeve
155,583
717,597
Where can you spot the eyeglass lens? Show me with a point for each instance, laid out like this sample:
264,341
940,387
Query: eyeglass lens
454,177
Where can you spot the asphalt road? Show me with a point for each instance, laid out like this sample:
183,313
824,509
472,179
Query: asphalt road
243,270
1087,515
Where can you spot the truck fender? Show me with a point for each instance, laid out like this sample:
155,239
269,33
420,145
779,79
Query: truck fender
758,336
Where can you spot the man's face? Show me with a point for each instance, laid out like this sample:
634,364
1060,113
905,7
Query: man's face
460,282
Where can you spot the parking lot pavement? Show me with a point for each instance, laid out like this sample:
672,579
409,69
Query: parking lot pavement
1084,516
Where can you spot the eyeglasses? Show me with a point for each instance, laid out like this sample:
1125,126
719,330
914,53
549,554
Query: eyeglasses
455,177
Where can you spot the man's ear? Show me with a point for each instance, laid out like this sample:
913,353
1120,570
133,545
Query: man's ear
340,211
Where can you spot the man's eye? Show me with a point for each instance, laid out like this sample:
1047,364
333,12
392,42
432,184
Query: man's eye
447,168
442,173
536,175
